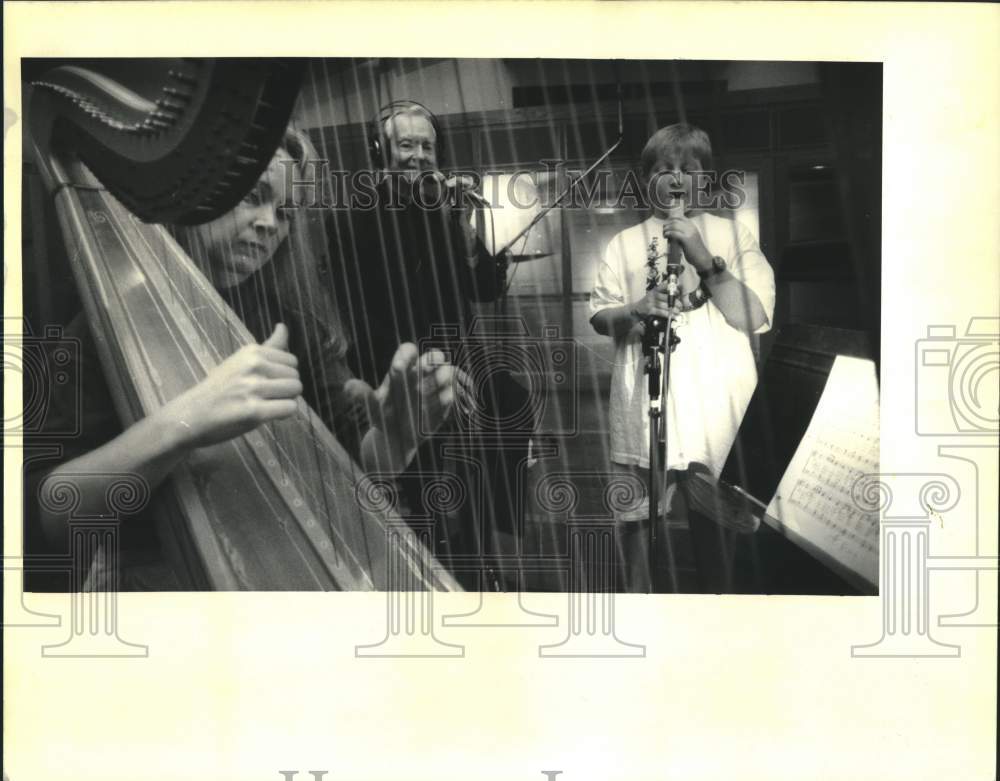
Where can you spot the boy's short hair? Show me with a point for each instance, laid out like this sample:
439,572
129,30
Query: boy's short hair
682,138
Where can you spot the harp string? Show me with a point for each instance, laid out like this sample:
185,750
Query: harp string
198,329
448,230
319,341
207,326
498,147
360,416
553,531
254,300
398,288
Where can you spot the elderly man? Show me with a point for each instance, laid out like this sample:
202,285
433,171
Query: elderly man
411,261
408,269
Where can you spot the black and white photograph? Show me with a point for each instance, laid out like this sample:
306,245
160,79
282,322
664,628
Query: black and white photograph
569,391
485,324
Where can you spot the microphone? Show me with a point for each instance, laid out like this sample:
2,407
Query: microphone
464,188
675,265
435,190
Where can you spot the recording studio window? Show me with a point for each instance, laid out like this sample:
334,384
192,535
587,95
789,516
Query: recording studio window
516,199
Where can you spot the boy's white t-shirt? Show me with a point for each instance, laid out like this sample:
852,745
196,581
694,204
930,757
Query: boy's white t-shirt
712,371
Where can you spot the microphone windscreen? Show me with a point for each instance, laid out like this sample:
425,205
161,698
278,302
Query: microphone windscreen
465,188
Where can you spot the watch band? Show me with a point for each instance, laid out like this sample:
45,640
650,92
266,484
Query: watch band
697,299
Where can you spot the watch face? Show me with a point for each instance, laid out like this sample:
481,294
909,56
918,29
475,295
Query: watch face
718,264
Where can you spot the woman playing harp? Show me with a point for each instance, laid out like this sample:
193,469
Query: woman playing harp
249,258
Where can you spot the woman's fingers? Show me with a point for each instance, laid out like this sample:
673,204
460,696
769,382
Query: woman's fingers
274,355
279,371
279,337
280,389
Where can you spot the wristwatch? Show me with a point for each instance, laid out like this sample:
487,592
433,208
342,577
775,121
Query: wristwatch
718,266
697,299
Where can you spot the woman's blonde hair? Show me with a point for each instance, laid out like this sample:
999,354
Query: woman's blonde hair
296,264
292,274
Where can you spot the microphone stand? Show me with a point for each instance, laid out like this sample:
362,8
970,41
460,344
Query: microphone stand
659,338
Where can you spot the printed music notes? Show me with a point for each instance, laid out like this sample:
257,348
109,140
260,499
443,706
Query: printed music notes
813,502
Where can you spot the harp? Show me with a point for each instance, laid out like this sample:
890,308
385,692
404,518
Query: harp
283,507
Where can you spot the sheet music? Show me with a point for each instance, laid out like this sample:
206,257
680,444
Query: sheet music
813,500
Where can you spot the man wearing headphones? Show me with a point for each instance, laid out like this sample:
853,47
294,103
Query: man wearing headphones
409,269
413,260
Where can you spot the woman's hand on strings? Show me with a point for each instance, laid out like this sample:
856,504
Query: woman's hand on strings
257,384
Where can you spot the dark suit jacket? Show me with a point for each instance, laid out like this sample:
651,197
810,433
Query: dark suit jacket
397,274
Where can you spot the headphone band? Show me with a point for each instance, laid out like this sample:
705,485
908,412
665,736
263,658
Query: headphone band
377,135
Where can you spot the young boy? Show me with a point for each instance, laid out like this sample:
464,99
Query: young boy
726,294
